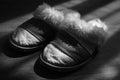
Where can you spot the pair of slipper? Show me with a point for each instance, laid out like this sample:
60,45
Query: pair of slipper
67,41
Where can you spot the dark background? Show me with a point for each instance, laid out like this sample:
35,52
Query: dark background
13,8
15,65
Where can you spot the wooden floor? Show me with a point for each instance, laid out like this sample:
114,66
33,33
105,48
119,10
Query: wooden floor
105,66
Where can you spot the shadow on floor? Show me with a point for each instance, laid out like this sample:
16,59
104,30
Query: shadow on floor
13,8
90,5
11,51
8,68
42,71
10,65
10,9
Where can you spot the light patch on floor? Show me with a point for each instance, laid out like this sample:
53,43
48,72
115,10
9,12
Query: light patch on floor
109,14
108,71
71,3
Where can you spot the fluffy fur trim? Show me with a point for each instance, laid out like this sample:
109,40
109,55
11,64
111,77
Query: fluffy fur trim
93,30
24,38
54,15
54,55
48,13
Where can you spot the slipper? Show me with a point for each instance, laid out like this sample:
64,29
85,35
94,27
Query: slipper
75,45
36,32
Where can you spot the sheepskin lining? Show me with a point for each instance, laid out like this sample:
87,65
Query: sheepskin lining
94,30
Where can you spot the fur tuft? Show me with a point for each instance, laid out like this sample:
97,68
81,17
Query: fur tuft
24,38
93,30
55,56
48,13
55,15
